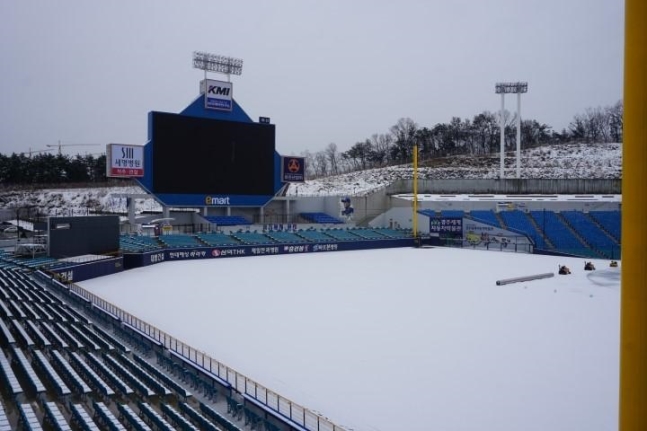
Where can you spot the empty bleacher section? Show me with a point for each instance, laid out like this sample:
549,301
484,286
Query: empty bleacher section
106,419
154,418
485,216
394,233
8,376
82,418
452,213
86,377
139,244
285,237
365,233
342,235
320,218
217,239
130,417
521,222
179,241
592,233
55,380
255,238
609,221
560,234
228,220
78,385
314,235
4,421
55,417
28,418
33,380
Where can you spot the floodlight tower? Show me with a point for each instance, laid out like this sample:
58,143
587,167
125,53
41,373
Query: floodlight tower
516,88
217,64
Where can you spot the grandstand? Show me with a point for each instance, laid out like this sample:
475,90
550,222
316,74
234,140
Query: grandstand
80,369
72,359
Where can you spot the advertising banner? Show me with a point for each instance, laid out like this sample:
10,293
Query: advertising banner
218,95
124,161
293,169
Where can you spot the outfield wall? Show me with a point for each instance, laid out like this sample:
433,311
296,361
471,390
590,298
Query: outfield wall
75,272
136,260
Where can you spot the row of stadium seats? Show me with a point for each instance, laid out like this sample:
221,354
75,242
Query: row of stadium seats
62,371
319,217
139,244
228,220
592,234
310,217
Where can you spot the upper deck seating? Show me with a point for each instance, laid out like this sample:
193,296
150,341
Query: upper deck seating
319,217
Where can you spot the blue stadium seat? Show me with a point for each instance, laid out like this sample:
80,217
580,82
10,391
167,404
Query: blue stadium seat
485,216
343,235
228,220
520,221
217,239
28,418
452,213
610,222
320,218
55,417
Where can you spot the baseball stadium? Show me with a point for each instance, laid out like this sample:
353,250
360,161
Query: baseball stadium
226,312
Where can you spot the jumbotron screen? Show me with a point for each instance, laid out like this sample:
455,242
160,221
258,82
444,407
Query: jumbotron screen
204,156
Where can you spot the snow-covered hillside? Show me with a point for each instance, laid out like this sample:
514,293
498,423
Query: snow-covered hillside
602,161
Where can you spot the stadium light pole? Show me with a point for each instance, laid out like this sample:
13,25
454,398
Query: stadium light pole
217,64
415,193
517,88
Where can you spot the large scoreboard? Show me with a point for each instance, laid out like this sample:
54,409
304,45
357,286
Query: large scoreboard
211,157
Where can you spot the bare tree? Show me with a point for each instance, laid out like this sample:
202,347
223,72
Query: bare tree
320,164
309,164
333,158
615,114
381,144
404,136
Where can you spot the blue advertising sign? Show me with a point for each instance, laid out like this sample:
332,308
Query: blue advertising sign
447,227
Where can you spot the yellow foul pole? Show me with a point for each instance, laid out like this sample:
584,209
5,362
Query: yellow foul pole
633,314
415,192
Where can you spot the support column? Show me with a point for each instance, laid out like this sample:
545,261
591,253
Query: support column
633,309
518,135
130,202
502,121
288,215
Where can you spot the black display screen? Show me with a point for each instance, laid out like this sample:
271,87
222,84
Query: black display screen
204,156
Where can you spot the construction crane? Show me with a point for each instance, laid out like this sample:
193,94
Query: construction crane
39,151
61,145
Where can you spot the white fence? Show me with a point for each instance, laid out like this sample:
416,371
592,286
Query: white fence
291,411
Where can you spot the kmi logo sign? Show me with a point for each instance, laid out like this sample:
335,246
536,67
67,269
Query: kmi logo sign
218,95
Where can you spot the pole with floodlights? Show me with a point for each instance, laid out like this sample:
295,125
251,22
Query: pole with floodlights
517,88
217,64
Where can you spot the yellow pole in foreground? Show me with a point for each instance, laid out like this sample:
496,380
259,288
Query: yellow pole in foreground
633,314
415,191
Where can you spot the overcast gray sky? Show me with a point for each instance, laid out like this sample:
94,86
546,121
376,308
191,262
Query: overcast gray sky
337,71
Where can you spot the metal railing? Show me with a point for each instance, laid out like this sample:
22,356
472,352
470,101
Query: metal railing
290,410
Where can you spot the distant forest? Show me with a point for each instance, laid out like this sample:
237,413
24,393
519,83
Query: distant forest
479,137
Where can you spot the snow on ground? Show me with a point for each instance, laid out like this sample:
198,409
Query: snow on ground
414,339
556,161
603,161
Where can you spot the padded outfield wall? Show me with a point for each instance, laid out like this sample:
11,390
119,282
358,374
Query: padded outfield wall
136,260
